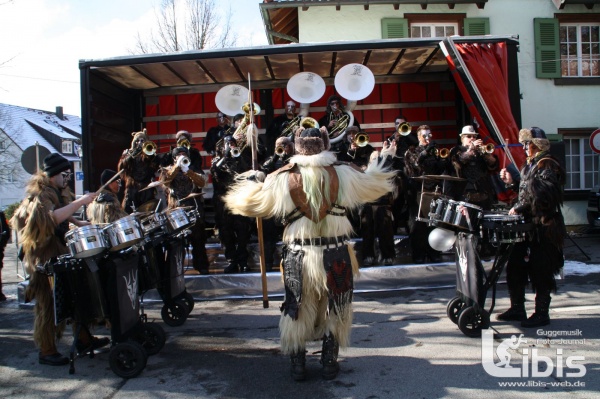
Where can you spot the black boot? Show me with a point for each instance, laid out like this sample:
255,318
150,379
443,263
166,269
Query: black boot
329,356
231,268
517,306
541,316
298,365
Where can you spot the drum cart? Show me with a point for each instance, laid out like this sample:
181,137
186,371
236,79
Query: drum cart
467,308
163,263
105,287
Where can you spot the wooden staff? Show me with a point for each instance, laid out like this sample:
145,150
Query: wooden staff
251,135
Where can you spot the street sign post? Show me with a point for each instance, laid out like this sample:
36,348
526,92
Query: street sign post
595,141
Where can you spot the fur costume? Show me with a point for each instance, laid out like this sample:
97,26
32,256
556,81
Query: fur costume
477,169
273,198
42,239
138,173
106,208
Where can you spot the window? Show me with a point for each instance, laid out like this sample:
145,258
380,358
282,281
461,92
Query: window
580,49
433,30
67,147
581,163
3,145
433,25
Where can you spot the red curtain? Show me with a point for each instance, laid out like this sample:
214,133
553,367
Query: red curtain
487,65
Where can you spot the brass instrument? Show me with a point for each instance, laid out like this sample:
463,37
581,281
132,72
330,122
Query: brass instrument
279,150
361,139
487,149
149,148
307,122
404,129
185,162
240,132
340,126
291,126
184,143
442,153
236,152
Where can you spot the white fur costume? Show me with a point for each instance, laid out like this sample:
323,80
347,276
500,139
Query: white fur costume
272,199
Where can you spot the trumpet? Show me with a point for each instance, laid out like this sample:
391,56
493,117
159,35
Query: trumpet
185,161
291,126
442,153
361,139
236,152
149,148
486,149
184,143
404,129
280,150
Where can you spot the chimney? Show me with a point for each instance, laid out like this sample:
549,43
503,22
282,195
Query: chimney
59,112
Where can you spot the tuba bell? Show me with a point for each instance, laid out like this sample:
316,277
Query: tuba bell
308,122
353,82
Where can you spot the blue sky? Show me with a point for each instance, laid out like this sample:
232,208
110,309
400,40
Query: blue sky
43,41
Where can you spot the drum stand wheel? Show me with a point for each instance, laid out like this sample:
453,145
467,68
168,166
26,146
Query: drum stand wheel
127,359
471,321
175,313
153,338
189,301
455,306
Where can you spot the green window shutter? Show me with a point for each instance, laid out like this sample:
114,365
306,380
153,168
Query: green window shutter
547,48
394,28
476,26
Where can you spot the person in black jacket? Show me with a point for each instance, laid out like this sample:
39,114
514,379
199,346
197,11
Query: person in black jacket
4,237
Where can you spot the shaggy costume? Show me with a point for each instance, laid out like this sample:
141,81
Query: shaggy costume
180,184
42,239
311,194
540,257
139,170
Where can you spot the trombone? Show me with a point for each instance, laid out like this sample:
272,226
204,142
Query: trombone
149,148
184,143
279,150
404,129
361,139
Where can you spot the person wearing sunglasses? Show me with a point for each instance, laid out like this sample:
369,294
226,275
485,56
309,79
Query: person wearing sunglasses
42,219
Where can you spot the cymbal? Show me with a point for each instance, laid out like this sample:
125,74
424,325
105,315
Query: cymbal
441,177
141,213
148,206
152,185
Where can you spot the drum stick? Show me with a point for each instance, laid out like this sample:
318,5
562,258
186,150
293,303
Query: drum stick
506,149
110,181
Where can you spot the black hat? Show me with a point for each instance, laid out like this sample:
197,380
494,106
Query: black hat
106,175
177,150
55,163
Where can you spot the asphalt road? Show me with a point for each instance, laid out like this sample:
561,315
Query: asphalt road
403,346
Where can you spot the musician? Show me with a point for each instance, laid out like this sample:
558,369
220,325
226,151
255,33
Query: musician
4,238
540,257
106,208
215,134
139,169
279,124
332,120
404,141
312,194
183,179
376,218
357,153
420,161
273,228
42,219
472,162
234,230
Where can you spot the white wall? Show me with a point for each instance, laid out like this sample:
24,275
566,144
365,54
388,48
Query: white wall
544,104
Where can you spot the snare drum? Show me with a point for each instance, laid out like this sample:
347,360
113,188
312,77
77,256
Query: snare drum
124,232
438,209
467,217
176,220
152,223
86,241
504,228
